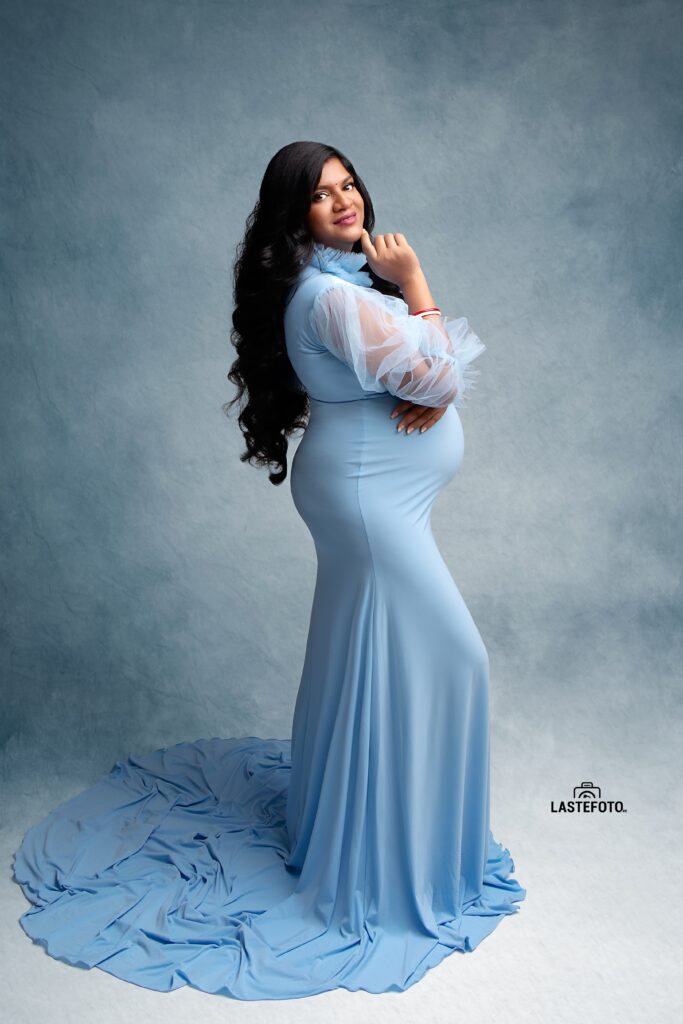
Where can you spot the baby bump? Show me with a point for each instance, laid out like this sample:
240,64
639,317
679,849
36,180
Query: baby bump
353,469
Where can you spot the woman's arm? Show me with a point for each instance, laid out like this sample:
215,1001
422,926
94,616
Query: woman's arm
424,361
416,293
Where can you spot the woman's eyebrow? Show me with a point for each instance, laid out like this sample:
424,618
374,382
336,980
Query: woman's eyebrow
328,187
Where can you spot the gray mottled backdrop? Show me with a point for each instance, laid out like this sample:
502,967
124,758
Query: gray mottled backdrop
156,589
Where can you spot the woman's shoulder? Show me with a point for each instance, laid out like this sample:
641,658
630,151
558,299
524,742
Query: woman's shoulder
312,282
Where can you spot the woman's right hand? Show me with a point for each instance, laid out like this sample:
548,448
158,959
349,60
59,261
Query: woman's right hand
390,257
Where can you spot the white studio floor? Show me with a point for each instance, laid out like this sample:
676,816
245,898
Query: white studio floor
597,938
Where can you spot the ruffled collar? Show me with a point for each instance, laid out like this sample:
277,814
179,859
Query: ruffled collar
346,265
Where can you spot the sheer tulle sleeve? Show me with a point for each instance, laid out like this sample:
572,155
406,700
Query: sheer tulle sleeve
423,360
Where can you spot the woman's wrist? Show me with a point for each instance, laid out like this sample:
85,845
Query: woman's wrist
416,292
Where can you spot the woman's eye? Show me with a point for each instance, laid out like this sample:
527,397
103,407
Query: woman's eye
349,184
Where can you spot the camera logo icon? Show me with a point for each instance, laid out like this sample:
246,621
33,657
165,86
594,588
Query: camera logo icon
587,791
587,800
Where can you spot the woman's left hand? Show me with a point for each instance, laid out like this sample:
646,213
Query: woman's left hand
417,417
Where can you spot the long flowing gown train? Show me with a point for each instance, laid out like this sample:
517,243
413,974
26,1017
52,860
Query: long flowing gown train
357,853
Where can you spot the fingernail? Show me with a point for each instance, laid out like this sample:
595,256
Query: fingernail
422,430
400,426
409,429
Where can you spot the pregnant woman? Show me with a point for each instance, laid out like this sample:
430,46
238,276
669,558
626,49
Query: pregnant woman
357,854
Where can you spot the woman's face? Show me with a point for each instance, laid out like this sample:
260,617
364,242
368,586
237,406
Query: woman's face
336,199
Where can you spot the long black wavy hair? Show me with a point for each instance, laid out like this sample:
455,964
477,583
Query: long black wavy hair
277,237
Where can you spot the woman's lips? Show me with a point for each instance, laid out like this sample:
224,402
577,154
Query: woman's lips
347,220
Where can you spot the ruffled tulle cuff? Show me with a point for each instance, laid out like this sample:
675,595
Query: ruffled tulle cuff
465,346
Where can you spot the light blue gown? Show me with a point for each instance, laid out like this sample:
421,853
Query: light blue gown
358,853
